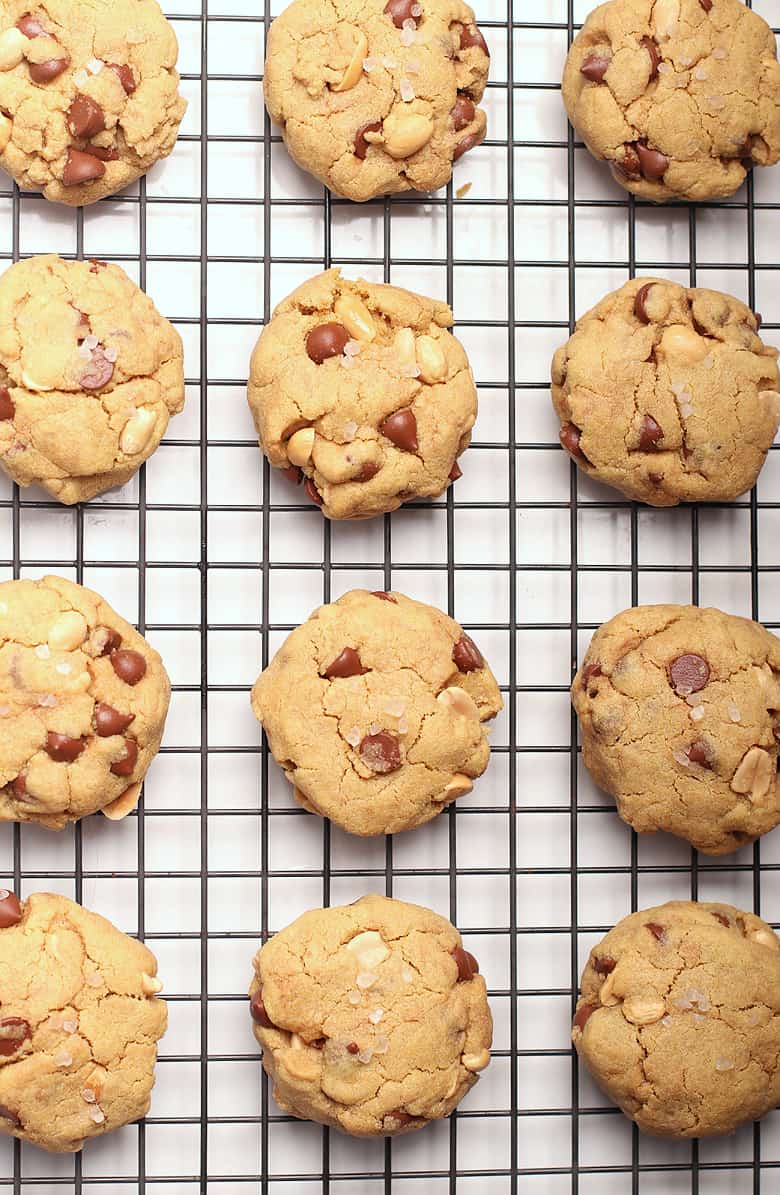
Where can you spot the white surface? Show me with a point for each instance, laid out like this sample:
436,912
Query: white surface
169,844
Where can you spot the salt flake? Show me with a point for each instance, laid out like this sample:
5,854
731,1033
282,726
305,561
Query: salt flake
91,342
352,348
353,737
63,1059
365,1056
110,355
95,66
70,1026
94,979
376,1016
48,701
394,706
734,713
682,759
408,33
366,979
370,64
724,1064
381,1044
88,1095
354,997
388,63
97,1115
406,90
407,975
80,78
42,651
349,430
697,713
64,668
416,10
719,52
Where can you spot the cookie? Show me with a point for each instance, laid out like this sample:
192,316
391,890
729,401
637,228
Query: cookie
668,393
681,97
83,699
374,708
89,96
679,712
90,374
361,389
679,1018
372,1017
378,97
79,1024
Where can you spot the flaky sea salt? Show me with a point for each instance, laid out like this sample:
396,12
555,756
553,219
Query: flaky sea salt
403,726
80,78
406,90
665,68
353,737
724,1064
717,102
352,348
346,362
370,64
354,997
365,1056
97,1115
416,10
110,354
84,352
734,713
408,32
381,1044
719,52
70,1026
376,1016
374,728
88,1095
48,701
91,342
366,979
349,430
394,706
63,1058
388,63
42,651
64,668
695,699
95,66
95,980
412,67
682,759
407,975
700,74
697,713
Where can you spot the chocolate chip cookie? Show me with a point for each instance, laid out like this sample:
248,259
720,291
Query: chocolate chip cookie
374,708
359,391
79,1023
378,97
679,1018
83,700
372,1017
681,97
668,393
90,373
679,712
89,95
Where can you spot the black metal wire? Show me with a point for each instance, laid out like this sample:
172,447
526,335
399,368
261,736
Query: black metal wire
193,1165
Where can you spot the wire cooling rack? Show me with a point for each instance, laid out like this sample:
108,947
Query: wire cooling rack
216,560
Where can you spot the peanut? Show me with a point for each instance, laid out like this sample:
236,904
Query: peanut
476,1062
754,775
369,949
5,131
765,937
406,132
68,632
355,316
772,399
300,1060
666,16
431,360
682,345
354,68
12,48
643,1010
150,984
30,383
300,445
137,431
403,346
42,49
459,701
606,994
124,804
458,786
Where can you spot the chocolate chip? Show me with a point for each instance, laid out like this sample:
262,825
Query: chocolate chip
468,966
361,145
721,917
583,1015
125,76
640,309
312,491
706,5
85,117
294,474
81,168
98,372
591,670
44,72
7,407
649,434
326,340
346,664
604,965
400,11
318,1043
699,753
462,111
656,930
369,470
654,164
381,752
595,67
257,1009
353,1048
14,1031
96,266
759,320
401,430
105,640
689,673
385,597
30,26
109,721
19,786
10,909
402,1118
466,655
130,666
655,56
62,748
569,437
465,145
629,165
9,1114
105,155
456,472
126,765
470,35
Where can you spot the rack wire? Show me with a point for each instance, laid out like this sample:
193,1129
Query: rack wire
216,560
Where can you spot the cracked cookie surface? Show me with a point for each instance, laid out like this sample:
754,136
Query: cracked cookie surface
83,700
90,373
679,1018
79,1023
374,708
681,97
668,393
89,95
361,389
679,712
375,97
372,1017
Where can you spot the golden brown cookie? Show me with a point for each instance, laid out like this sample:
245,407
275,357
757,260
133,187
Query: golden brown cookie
374,708
90,373
380,96
679,712
372,1017
89,94
668,393
361,389
681,97
679,1018
83,700
79,1023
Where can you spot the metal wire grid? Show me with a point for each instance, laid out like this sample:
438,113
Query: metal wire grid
445,1164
